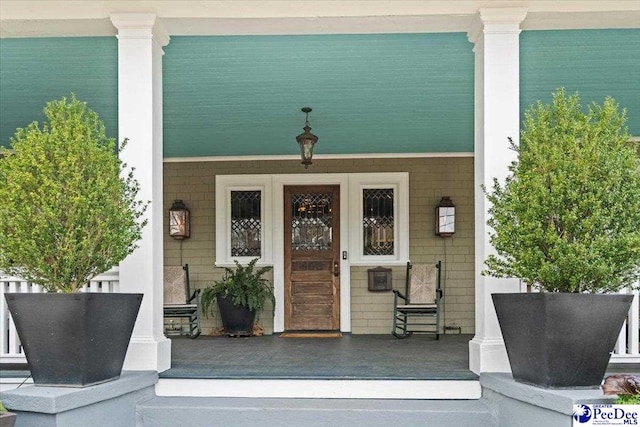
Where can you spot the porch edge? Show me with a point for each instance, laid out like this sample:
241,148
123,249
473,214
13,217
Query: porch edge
321,389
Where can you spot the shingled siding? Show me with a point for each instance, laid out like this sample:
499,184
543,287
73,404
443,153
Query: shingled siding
429,180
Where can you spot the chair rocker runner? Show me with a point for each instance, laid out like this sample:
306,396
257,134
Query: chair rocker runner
180,303
418,309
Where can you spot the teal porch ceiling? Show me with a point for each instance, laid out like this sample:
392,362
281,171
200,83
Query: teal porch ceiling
384,93
594,63
389,93
36,70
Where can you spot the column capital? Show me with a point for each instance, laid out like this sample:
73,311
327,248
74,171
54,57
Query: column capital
503,15
140,26
493,20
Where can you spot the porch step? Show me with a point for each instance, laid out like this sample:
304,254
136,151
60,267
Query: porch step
296,388
239,412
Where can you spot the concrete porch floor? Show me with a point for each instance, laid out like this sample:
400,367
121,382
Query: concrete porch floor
379,357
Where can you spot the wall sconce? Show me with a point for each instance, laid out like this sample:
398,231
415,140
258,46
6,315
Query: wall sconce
445,218
306,140
179,221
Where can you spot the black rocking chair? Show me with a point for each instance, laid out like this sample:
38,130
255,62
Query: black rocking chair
180,303
418,309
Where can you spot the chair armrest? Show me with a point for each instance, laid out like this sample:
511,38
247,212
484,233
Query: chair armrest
195,295
398,294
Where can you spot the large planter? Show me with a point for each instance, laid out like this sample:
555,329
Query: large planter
236,320
560,340
74,340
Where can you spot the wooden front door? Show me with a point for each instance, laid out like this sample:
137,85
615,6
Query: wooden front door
311,254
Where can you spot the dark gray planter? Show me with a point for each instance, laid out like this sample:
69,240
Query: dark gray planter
74,340
236,320
560,340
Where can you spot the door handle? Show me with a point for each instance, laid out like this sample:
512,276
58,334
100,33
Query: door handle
336,268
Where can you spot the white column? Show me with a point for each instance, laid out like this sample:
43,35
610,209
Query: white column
497,117
140,42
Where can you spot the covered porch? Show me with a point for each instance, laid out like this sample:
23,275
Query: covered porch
365,357
346,367
456,76
351,366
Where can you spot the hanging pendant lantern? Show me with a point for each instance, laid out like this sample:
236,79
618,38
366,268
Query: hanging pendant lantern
306,140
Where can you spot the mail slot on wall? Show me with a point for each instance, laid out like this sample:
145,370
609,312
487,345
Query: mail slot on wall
379,279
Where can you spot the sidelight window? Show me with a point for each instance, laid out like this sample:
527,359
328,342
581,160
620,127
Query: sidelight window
246,224
378,221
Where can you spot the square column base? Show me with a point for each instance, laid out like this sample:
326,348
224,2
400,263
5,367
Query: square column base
522,405
105,405
148,354
488,355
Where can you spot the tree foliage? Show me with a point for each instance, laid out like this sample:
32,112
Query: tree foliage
69,210
245,285
567,218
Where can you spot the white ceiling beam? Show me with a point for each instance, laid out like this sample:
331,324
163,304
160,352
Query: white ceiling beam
41,18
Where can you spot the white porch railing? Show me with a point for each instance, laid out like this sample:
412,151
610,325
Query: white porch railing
627,348
10,348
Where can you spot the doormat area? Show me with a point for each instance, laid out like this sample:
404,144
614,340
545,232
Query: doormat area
311,335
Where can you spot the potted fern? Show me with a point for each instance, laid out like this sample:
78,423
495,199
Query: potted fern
567,223
240,295
68,213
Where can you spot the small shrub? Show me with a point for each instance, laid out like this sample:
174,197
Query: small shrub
567,218
69,210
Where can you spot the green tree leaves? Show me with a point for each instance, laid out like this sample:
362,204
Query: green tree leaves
567,218
69,209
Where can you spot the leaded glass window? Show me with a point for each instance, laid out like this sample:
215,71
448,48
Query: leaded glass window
311,222
246,223
378,221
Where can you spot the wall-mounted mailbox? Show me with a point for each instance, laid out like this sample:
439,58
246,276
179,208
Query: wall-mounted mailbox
380,279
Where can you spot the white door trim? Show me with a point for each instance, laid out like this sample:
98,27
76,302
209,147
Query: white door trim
351,185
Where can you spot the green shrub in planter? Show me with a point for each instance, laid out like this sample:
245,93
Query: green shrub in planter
567,219
567,222
68,213
69,210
